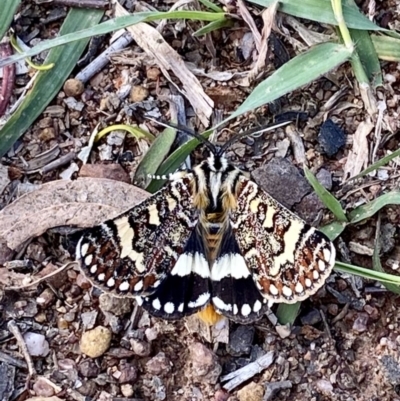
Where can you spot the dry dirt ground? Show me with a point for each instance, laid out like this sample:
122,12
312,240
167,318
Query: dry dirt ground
345,344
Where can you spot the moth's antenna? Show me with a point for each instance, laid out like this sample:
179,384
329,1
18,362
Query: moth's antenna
252,131
190,132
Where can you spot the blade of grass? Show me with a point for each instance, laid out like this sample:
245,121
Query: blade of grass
8,9
214,26
376,165
297,72
110,26
155,156
48,83
174,161
327,198
365,211
211,6
333,230
321,11
387,48
287,313
376,265
367,273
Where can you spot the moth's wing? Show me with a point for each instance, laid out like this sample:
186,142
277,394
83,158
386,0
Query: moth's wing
289,259
234,292
186,289
133,253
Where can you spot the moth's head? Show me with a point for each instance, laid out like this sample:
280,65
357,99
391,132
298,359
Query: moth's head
217,163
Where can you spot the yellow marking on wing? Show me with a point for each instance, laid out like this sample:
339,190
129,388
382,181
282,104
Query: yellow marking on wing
125,234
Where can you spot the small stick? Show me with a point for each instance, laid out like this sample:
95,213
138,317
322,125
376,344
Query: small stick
14,329
98,4
8,78
63,160
12,361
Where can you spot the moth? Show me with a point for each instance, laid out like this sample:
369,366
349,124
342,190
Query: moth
210,240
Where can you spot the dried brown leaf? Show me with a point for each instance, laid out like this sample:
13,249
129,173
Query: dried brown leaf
81,203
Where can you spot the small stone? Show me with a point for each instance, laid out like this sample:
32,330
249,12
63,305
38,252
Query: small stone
40,317
251,392
221,395
37,344
42,388
158,365
83,282
138,94
151,334
311,318
392,369
114,305
283,331
241,340
309,207
88,388
325,387
46,122
325,178
88,368
89,319
127,390
62,324
331,137
140,348
360,324
73,87
110,171
204,363
153,73
73,104
333,309
45,298
96,342
47,134
129,374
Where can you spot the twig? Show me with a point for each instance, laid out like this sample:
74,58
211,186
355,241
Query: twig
8,78
98,4
299,152
55,272
241,375
99,62
14,329
62,161
9,359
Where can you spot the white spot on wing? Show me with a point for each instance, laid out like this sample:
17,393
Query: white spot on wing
221,305
154,217
139,300
273,290
138,286
183,265
321,265
83,249
299,288
246,310
200,301
180,307
308,282
101,277
169,307
110,282
156,304
124,286
232,264
93,269
257,306
287,292
88,260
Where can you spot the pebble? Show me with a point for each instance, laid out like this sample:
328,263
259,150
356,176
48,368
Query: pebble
151,334
325,387
153,73
331,137
73,87
140,348
221,395
311,318
158,365
73,104
138,94
127,390
360,324
37,344
251,392
114,305
204,363
241,340
325,178
109,171
333,309
45,298
47,134
96,342
83,282
89,319
42,388
129,374
283,331
88,368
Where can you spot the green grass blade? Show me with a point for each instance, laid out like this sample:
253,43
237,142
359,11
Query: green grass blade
368,56
287,313
377,266
366,211
155,156
327,198
296,73
367,273
387,48
333,230
8,9
376,165
110,26
321,11
48,83
214,26
211,6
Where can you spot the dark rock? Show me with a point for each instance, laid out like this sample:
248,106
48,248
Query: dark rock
325,178
331,137
311,318
158,365
392,368
88,368
241,340
204,363
129,374
283,181
309,208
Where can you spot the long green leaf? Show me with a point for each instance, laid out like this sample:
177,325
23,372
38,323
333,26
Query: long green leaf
8,9
296,73
388,48
327,198
110,26
321,11
365,211
333,230
48,83
287,313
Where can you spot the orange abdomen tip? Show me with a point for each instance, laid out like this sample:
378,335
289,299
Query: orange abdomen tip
209,315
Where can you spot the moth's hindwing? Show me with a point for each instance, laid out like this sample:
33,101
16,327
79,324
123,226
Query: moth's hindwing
234,292
133,253
289,259
186,289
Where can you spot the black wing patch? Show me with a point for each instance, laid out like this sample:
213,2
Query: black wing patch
234,292
186,289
